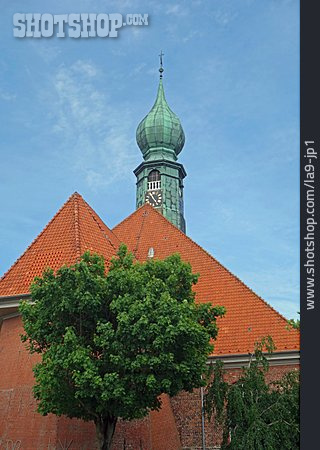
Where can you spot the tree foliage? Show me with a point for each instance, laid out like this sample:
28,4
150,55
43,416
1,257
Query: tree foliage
293,324
255,415
112,343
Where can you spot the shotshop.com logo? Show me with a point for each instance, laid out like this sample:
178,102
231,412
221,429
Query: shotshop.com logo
74,25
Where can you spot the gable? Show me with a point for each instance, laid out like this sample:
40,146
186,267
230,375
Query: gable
73,230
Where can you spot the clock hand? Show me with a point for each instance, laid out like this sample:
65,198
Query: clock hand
153,197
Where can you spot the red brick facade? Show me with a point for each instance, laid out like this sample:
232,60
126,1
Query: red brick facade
176,426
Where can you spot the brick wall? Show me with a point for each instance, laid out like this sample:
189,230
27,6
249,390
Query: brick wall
187,411
20,426
176,426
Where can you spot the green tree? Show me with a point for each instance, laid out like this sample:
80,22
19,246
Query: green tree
112,343
293,324
253,414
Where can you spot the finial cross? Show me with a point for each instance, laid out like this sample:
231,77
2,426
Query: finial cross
161,68
161,55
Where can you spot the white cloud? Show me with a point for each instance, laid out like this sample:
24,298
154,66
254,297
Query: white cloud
223,18
177,10
97,137
191,36
139,69
137,32
84,67
48,52
152,71
7,96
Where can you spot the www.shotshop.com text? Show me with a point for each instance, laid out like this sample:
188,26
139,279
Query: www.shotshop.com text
310,156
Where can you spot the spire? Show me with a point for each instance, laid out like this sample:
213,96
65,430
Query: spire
161,98
160,138
160,134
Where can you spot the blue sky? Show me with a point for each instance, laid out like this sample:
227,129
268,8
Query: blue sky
69,109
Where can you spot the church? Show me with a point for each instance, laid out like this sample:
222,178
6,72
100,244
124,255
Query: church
156,229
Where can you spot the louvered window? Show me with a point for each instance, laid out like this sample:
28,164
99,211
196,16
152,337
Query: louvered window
154,180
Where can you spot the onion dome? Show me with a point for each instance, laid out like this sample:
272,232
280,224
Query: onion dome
160,134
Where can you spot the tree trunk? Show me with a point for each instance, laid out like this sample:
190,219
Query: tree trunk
105,429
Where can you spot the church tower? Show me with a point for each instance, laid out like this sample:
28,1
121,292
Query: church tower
160,138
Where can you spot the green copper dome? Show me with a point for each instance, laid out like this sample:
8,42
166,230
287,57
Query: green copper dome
160,132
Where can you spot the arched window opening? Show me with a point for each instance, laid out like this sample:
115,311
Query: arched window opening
154,180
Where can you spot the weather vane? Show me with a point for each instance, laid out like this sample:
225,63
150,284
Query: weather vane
161,64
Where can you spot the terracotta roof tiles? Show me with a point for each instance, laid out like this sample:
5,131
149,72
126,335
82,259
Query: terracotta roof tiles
76,228
248,316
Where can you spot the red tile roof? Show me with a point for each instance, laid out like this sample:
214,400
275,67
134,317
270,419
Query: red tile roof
73,230
76,228
248,316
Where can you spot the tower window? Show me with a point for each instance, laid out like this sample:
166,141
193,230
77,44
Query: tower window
154,180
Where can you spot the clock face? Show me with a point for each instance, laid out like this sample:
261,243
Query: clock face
154,198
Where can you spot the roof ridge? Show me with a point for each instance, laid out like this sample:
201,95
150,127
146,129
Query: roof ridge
145,214
94,215
74,195
205,251
77,227
132,214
